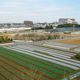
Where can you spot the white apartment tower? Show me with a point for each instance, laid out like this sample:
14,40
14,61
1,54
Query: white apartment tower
67,21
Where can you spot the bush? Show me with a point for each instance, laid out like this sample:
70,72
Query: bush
5,39
77,57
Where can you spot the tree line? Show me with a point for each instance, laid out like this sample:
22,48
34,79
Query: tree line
59,26
68,25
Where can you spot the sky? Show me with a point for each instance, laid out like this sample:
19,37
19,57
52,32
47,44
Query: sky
38,10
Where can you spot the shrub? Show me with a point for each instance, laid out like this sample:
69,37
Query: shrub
5,39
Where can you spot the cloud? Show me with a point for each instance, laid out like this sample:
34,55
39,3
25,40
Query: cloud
35,9
4,12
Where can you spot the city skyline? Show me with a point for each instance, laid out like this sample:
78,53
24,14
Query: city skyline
38,10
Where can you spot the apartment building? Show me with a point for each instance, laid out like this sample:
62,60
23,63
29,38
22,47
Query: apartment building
67,21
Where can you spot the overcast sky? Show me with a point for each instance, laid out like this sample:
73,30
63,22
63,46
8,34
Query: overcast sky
38,10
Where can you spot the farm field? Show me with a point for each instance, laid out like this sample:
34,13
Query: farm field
26,62
70,41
